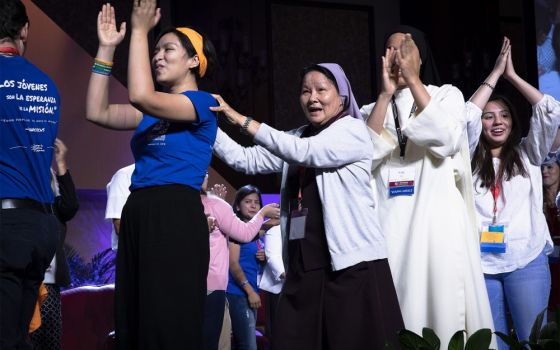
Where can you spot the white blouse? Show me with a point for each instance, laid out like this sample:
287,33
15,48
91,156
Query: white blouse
520,203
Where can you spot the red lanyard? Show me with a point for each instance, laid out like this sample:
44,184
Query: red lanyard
9,51
496,189
301,173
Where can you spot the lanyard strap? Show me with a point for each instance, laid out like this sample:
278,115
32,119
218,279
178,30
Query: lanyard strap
301,175
496,189
402,138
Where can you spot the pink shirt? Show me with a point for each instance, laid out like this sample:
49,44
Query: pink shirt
229,225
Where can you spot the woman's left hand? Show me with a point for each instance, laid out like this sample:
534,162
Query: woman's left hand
261,256
408,60
231,114
145,15
509,71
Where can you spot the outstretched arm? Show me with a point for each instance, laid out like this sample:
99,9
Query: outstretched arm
98,109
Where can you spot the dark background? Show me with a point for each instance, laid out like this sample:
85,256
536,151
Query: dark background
263,44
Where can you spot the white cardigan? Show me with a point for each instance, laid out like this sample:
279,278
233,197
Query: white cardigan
342,157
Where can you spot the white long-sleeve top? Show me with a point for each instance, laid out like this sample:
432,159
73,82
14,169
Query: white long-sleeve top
342,157
274,267
521,199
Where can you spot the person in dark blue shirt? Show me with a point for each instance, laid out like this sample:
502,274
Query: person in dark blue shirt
29,116
163,254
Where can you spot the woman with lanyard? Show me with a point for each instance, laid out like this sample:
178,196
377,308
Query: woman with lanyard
162,260
514,237
421,169
339,292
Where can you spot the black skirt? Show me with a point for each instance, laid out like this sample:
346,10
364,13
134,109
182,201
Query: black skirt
162,264
354,308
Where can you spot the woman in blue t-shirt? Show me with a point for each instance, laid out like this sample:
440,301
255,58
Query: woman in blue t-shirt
160,286
242,292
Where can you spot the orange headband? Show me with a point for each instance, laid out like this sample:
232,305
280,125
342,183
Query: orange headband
196,40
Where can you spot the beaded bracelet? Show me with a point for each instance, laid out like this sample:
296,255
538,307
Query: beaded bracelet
102,67
487,84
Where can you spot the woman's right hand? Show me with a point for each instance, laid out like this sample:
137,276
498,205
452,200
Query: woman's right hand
231,114
107,27
145,15
389,72
271,211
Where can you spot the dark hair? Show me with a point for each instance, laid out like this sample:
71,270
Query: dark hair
207,48
320,69
511,164
241,194
12,18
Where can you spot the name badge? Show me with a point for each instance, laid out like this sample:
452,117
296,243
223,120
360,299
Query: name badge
401,181
493,238
297,223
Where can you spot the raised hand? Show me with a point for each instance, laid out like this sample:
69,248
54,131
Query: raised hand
219,190
60,151
389,72
145,15
107,27
408,60
509,71
501,60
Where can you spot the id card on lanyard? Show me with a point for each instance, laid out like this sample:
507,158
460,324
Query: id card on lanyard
401,181
298,216
401,178
493,234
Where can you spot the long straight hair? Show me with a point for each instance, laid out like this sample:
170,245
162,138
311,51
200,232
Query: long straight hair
511,164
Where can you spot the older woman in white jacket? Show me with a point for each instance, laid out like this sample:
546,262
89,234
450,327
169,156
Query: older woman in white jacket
339,287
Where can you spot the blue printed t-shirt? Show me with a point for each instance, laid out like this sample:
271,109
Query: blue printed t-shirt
250,266
175,152
29,116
